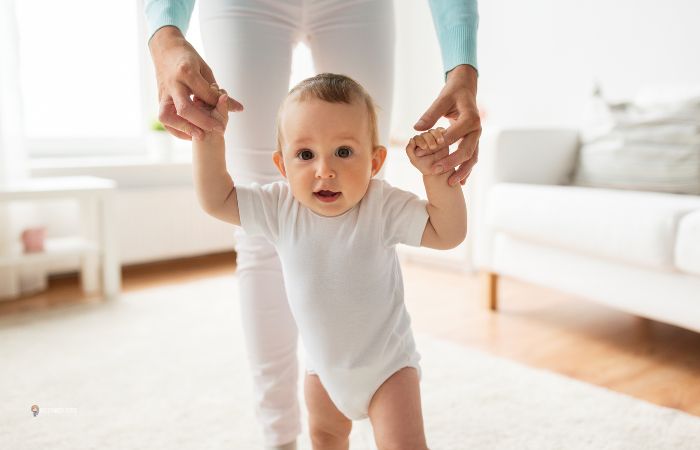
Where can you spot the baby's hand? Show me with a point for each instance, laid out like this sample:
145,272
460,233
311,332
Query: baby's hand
218,112
432,140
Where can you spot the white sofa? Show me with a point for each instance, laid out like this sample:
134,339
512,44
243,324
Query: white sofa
635,251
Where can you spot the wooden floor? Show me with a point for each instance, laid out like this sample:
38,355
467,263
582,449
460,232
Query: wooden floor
535,326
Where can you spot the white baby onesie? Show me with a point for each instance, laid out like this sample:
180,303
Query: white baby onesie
344,283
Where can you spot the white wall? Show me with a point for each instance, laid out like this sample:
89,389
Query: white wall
419,74
539,59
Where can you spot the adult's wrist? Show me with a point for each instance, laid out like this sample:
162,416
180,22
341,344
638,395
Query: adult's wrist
464,74
164,37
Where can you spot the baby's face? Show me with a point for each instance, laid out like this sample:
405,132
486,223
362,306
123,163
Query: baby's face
327,154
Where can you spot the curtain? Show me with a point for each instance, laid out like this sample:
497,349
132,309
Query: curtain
13,165
12,159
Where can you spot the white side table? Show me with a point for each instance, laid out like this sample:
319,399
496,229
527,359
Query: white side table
97,245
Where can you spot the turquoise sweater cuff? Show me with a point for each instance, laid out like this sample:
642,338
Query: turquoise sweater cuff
160,14
458,46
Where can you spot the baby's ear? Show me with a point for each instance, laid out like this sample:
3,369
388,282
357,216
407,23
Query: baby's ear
378,158
278,159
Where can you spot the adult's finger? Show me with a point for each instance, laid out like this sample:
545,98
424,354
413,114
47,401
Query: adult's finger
461,175
188,111
178,133
439,108
203,85
220,113
459,128
213,94
476,159
234,105
465,169
207,73
441,153
172,121
464,151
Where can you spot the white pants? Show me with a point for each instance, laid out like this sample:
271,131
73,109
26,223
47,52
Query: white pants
248,44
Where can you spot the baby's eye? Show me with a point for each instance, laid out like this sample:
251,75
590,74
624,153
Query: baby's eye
305,155
343,152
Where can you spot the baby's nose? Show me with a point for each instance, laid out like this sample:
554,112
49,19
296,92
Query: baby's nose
324,170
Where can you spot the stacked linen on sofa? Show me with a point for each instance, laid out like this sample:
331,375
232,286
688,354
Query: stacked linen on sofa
649,144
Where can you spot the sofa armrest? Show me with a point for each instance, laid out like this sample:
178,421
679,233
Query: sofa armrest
546,156
517,156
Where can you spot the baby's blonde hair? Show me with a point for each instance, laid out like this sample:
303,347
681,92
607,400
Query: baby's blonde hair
331,88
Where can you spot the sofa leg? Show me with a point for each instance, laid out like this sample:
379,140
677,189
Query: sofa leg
489,289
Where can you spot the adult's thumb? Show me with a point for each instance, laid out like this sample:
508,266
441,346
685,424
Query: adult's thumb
234,105
211,94
431,115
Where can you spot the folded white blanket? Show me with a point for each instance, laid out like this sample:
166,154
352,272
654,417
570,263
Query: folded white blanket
651,143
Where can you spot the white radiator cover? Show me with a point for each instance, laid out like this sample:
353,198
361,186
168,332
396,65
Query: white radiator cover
167,223
153,224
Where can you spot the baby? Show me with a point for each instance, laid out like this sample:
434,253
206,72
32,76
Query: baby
336,229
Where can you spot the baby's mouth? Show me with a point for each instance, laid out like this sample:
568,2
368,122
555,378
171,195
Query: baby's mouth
327,196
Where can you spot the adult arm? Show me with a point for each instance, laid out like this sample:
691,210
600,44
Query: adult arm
456,23
180,71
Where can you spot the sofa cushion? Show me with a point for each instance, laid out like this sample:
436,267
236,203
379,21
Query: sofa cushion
627,226
688,244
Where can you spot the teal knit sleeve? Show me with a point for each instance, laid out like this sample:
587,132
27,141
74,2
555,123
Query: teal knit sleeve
160,13
456,23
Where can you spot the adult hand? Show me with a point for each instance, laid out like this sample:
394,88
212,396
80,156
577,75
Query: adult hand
457,102
181,73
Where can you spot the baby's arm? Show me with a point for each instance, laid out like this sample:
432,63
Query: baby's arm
215,190
447,211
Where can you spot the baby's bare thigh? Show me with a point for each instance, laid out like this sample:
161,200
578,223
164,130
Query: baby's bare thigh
396,414
323,414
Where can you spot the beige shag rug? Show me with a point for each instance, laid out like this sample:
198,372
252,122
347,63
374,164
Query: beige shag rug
165,369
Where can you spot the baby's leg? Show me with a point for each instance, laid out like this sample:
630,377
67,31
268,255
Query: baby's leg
395,413
328,427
